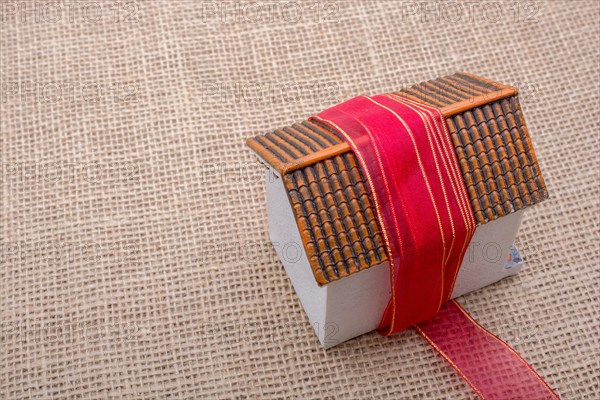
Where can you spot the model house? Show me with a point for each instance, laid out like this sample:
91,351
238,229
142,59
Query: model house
318,202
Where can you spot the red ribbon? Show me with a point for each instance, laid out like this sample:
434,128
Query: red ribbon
491,367
423,209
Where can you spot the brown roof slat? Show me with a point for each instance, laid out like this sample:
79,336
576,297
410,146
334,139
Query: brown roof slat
444,95
469,86
466,92
323,130
457,91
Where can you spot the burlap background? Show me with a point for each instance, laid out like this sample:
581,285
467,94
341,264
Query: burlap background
135,256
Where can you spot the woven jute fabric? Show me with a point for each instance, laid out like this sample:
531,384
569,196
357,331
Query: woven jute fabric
135,256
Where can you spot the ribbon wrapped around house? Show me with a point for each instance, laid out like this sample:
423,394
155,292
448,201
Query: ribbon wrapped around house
376,207
427,223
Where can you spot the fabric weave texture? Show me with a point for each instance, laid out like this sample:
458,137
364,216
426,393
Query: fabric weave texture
135,256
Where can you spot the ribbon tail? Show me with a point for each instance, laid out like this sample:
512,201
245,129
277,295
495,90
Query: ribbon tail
490,366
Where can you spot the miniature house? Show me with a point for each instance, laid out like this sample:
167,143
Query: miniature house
318,201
